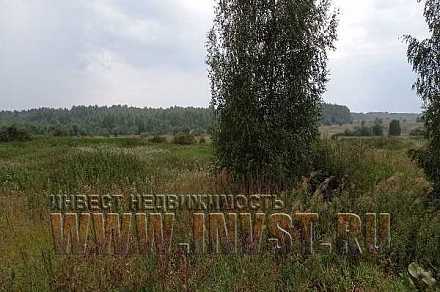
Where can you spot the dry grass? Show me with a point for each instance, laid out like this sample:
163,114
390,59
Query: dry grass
381,179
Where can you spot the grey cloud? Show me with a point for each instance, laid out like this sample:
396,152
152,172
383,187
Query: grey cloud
151,53
60,53
373,84
370,70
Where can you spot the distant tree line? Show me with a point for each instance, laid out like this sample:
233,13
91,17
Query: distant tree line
377,129
333,114
125,120
386,116
395,129
364,131
114,120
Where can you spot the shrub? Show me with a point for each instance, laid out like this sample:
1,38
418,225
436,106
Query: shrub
157,139
377,129
202,140
348,133
58,131
427,159
395,129
12,134
184,139
418,132
334,158
385,143
337,135
340,163
362,131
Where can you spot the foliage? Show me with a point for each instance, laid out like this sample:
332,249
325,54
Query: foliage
418,132
368,181
372,116
58,131
395,129
114,120
333,114
13,134
377,129
184,139
267,64
362,131
157,139
365,131
332,159
426,159
424,56
419,273
123,120
347,162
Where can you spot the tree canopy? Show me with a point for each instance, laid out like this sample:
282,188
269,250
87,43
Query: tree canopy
268,69
424,56
114,120
332,114
125,120
395,129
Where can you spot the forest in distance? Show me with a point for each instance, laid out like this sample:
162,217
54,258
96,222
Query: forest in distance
125,120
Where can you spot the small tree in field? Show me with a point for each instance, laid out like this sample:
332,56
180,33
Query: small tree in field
395,129
424,57
14,134
377,129
267,64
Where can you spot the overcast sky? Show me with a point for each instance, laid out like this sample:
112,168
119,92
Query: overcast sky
151,53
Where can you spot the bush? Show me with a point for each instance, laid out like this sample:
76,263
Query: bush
202,140
377,129
339,165
348,133
335,158
58,132
348,166
184,139
418,132
157,139
362,131
12,134
395,129
337,135
427,158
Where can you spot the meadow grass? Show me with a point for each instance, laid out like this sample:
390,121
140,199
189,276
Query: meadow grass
375,175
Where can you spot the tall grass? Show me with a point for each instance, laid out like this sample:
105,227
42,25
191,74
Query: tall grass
370,176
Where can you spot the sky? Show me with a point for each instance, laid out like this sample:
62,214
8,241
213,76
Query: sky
151,53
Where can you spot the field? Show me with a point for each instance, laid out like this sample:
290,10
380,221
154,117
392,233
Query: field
376,176
406,125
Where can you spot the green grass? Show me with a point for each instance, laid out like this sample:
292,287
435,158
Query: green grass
406,126
378,177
